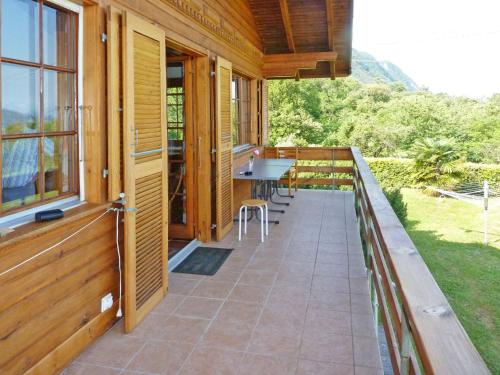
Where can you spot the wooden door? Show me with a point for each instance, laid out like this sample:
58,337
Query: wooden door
145,167
181,144
224,149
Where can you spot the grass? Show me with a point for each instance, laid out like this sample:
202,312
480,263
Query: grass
449,235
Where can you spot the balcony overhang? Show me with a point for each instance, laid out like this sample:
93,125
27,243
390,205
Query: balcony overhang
288,65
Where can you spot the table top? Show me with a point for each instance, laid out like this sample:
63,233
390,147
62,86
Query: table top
265,169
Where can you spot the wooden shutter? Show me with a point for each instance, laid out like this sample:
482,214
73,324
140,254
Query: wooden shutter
254,109
145,167
114,96
224,146
265,118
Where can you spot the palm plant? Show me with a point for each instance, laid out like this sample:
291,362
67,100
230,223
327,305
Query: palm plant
436,161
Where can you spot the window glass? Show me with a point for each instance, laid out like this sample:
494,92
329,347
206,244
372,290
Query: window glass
58,44
59,101
20,29
59,154
39,103
235,110
20,99
240,116
20,177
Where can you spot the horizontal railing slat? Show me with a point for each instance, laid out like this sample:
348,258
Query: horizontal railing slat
442,344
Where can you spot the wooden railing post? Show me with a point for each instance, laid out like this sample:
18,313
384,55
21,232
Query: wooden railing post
423,333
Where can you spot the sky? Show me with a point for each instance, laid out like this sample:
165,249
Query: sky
450,46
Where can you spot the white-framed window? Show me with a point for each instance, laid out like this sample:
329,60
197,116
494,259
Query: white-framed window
40,96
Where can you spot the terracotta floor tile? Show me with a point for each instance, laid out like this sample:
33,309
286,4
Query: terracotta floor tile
168,304
274,342
253,364
363,325
199,307
359,285
366,352
112,351
183,329
334,348
226,275
212,361
297,268
151,328
360,370
332,258
164,357
320,323
332,248
299,294
326,300
333,270
240,312
228,335
85,369
257,277
283,319
249,293
361,304
213,289
306,367
264,264
285,279
331,283
181,285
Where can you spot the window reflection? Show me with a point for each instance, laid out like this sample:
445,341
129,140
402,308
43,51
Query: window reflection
59,101
58,46
20,99
20,172
20,29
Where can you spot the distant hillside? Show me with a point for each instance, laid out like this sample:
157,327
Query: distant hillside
368,69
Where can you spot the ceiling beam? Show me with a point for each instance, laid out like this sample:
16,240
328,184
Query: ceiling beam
288,64
330,25
285,15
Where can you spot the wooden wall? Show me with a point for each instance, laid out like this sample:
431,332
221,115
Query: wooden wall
50,307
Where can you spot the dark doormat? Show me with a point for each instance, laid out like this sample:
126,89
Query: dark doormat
204,261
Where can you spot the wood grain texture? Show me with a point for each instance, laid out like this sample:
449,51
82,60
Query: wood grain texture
145,175
441,343
47,301
224,149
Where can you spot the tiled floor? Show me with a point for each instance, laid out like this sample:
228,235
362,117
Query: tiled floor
297,304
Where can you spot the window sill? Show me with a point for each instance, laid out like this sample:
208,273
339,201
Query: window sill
28,216
30,231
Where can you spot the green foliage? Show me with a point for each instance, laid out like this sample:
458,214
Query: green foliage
395,198
382,119
436,162
399,173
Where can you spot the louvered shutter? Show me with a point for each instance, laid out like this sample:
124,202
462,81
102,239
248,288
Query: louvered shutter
145,167
265,116
114,103
224,159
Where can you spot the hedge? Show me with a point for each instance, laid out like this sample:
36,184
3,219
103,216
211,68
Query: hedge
397,173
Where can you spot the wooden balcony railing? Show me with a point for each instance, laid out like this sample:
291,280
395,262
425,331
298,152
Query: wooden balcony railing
423,333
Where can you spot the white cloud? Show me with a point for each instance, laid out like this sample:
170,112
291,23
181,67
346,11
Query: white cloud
450,46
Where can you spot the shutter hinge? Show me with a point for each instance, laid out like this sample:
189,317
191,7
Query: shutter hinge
105,173
213,151
104,37
212,74
214,226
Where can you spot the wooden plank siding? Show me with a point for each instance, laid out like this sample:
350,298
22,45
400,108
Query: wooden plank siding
48,301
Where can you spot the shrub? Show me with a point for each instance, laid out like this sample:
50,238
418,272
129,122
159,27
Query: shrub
398,173
395,198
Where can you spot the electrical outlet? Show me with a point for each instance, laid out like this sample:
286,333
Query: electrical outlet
106,302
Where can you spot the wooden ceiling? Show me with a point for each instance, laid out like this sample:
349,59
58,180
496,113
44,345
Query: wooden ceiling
304,38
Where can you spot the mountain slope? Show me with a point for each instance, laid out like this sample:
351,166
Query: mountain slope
368,69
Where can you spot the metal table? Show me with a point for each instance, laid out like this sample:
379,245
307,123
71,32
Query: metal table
265,172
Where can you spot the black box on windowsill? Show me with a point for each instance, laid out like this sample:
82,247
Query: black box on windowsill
48,215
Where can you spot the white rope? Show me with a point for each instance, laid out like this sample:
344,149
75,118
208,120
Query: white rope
54,246
119,312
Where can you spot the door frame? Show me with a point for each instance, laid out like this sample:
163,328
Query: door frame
187,231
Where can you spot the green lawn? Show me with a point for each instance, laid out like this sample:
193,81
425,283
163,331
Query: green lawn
448,234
